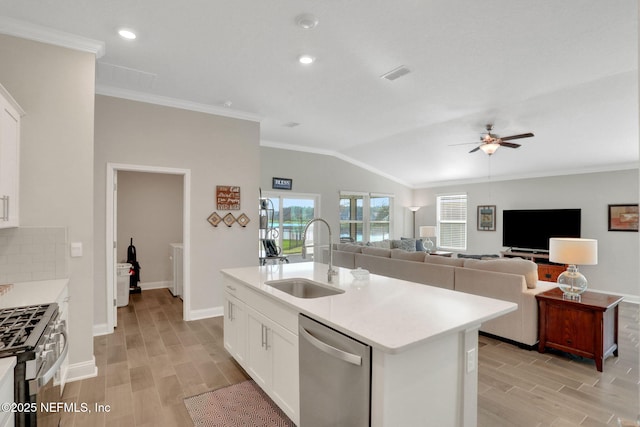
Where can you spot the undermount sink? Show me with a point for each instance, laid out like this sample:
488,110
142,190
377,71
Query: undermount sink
303,288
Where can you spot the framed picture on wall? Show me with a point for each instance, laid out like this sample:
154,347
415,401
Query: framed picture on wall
487,218
623,217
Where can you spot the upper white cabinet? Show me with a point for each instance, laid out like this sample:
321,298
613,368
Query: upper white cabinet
10,114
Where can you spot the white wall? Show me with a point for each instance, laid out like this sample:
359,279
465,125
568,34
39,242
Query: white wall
327,176
618,252
217,150
150,211
55,86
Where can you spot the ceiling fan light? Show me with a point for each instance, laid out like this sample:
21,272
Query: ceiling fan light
489,148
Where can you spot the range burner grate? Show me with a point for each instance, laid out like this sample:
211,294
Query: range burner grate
21,327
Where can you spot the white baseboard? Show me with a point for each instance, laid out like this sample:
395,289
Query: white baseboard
155,285
206,313
101,329
82,370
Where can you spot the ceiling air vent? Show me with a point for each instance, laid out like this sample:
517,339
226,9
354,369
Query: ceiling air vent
396,73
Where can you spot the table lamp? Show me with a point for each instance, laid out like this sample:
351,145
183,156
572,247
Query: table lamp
428,231
573,252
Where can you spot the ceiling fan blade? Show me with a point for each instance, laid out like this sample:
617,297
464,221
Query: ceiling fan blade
463,143
509,144
522,135
475,149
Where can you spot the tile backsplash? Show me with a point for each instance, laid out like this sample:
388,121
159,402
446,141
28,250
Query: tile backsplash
33,253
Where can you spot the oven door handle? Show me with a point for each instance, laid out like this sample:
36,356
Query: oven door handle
43,379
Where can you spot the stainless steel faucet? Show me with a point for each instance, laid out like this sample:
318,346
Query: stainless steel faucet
331,271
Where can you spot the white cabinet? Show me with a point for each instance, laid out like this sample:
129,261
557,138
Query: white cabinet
175,263
261,334
235,321
10,113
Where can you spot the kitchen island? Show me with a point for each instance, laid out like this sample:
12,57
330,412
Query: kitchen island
424,339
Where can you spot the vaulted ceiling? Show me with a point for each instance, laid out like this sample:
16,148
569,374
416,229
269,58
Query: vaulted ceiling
565,70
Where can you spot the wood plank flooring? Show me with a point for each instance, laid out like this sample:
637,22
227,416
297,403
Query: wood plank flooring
155,359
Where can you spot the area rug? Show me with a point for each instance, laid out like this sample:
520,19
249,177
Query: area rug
242,404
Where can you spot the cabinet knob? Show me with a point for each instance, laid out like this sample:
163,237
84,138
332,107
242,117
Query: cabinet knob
548,276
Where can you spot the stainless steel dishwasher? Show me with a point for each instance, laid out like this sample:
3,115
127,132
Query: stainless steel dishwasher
335,377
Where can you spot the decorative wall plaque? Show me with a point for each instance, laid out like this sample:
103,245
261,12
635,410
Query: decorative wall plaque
228,197
229,219
243,220
214,219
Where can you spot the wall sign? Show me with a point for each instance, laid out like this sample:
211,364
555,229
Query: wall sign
228,197
281,183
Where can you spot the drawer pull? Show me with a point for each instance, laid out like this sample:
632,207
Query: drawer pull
231,288
547,276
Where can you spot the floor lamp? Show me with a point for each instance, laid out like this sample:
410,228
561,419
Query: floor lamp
414,209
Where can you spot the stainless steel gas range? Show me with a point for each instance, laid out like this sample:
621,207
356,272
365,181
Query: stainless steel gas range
38,339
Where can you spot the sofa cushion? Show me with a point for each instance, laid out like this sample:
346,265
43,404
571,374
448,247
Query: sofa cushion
381,252
349,247
409,256
526,268
435,259
406,244
380,244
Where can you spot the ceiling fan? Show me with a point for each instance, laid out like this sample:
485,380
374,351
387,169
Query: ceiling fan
490,142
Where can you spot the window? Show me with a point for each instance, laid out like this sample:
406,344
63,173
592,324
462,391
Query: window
452,221
365,217
290,215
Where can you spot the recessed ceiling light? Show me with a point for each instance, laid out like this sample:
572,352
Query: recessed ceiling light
306,21
306,59
127,34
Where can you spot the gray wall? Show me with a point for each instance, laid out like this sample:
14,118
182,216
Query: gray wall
217,150
327,176
150,211
55,86
617,269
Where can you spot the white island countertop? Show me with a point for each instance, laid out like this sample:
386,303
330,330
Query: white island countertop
31,293
389,314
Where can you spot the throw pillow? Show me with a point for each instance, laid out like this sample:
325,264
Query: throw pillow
408,245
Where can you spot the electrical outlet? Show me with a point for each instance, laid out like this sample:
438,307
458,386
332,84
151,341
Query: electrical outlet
471,360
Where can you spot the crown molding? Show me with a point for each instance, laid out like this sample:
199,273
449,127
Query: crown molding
166,101
29,31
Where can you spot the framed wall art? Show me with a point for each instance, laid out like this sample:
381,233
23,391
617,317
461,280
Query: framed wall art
487,218
228,197
623,217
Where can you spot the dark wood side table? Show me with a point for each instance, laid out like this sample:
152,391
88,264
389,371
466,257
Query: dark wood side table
441,253
587,328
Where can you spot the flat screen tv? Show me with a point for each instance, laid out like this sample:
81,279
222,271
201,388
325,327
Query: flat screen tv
531,229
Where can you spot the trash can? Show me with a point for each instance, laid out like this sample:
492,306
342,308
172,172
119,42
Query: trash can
124,270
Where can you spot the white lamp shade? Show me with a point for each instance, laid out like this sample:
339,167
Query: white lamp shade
574,251
414,208
428,231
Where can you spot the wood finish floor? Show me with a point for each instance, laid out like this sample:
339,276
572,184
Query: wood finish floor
154,360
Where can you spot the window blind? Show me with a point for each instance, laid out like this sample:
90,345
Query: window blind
452,221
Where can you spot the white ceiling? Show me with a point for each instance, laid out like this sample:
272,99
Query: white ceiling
564,70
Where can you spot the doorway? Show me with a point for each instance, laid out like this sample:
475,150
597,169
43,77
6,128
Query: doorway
113,243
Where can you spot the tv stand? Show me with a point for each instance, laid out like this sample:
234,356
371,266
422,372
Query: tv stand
547,271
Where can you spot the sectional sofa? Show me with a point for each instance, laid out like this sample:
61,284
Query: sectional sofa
514,280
